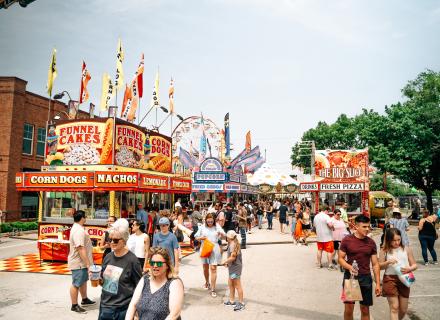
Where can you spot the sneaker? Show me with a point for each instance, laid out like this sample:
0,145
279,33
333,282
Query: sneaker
239,306
331,267
206,286
319,266
435,262
426,263
230,304
213,294
78,309
87,302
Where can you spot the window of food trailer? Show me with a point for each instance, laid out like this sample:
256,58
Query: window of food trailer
59,204
335,200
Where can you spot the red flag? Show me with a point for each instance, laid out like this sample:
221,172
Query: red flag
139,75
85,77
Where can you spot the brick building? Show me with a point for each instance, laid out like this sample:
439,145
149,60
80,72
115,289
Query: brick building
22,142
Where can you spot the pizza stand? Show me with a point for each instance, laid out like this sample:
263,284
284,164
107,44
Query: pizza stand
212,182
271,183
340,176
103,167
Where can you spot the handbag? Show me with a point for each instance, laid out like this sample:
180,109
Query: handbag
351,290
207,249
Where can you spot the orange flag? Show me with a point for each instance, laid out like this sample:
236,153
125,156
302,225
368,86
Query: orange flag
126,102
85,78
248,142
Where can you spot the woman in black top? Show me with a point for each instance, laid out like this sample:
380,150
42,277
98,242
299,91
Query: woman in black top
159,295
427,236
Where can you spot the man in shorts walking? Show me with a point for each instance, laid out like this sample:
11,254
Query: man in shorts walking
324,228
358,246
79,261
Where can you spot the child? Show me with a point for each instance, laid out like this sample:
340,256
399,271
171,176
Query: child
234,264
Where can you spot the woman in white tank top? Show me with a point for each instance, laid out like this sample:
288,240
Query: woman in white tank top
396,259
139,242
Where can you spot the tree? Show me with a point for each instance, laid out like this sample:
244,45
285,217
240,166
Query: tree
405,141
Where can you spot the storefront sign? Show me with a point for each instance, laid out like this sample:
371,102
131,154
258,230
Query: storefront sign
290,188
116,179
308,187
211,164
265,188
207,187
181,184
209,176
341,165
57,179
153,182
52,231
234,178
232,187
329,187
244,187
159,151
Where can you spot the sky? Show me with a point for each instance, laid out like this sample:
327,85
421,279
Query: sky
277,66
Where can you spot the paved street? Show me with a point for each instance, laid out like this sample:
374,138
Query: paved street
280,282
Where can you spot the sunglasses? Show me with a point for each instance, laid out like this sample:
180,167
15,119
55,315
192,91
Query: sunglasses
156,263
115,240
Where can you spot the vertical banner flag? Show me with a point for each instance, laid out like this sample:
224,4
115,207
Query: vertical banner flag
155,97
248,141
126,102
106,92
92,110
72,109
202,151
131,115
119,81
52,73
140,77
187,159
85,78
171,96
227,137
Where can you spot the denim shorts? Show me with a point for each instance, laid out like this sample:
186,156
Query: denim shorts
79,276
234,276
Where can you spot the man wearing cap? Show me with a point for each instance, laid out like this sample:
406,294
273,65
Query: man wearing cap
167,240
142,215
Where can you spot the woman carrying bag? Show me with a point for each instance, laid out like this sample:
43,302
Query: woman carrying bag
399,263
212,232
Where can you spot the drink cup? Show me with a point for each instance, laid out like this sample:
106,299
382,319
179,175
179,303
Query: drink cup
95,275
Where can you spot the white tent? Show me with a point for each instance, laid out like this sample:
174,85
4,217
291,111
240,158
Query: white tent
267,175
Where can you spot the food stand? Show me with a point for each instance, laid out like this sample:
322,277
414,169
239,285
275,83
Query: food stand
212,182
340,176
105,167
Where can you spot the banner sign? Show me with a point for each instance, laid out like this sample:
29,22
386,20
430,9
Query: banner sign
181,184
341,165
116,179
90,142
209,176
150,181
232,187
308,187
56,179
52,231
211,164
332,187
207,187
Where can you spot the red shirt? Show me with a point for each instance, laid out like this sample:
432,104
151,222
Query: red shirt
360,250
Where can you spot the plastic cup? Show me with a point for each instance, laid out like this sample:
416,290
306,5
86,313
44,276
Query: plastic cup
95,275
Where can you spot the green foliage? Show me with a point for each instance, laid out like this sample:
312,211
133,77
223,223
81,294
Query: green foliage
24,226
405,141
394,187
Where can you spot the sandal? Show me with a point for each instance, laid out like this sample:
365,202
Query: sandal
213,294
206,286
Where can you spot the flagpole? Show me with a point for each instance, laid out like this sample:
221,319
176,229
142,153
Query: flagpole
139,109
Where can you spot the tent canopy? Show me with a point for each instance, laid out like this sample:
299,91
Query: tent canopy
267,175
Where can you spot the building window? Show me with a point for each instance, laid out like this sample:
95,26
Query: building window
41,141
28,138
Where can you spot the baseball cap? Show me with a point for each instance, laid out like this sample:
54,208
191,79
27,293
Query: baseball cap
231,234
164,220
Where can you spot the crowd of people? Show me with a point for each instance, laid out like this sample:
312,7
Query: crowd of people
141,259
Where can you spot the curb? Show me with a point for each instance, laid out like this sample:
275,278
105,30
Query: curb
7,234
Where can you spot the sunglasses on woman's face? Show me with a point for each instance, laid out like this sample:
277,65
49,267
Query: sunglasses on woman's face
115,240
156,263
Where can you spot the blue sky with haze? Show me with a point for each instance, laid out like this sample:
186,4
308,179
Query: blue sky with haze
278,67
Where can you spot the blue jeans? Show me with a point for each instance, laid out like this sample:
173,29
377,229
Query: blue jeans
269,220
427,242
243,236
108,313
260,220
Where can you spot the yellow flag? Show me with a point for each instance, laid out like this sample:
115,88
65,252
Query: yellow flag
106,92
119,81
155,97
52,73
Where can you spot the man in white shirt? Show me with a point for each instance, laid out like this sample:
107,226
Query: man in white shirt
178,204
324,228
